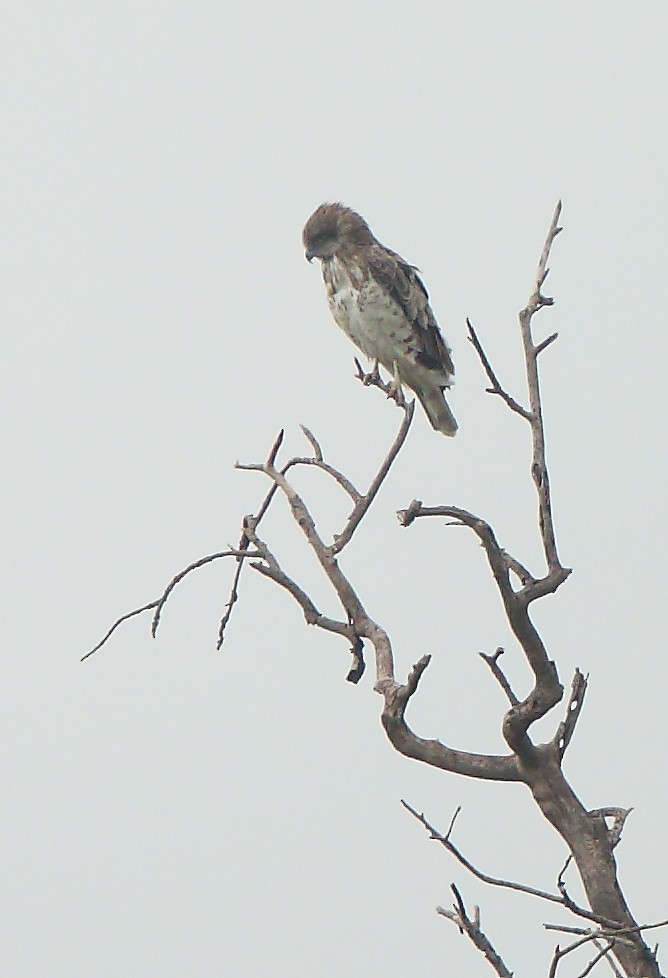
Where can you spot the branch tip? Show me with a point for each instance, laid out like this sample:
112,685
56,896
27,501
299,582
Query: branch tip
313,441
271,458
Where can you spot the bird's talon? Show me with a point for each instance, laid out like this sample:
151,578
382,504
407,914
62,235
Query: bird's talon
397,395
372,379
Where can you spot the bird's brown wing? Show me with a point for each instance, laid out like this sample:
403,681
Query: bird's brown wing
407,289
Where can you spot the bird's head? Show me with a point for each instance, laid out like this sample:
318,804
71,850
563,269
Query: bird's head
332,229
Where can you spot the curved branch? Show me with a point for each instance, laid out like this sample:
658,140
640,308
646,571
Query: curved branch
486,767
547,691
160,602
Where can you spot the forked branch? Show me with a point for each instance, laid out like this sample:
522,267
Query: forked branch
471,927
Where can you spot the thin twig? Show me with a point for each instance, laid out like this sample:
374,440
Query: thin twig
318,461
495,881
160,602
338,476
608,930
119,621
196,564
233,597
271,458
313,441
364,502
560,953
498,673
561,883
546,342
615,970
602,952
496,387
471,927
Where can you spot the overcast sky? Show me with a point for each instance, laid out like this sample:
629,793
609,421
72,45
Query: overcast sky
169,810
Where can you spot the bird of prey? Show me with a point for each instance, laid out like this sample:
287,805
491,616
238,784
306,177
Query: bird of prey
380,303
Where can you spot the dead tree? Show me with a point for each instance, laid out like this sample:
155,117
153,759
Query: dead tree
610,929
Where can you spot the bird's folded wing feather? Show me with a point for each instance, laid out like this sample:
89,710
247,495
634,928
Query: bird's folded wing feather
407,289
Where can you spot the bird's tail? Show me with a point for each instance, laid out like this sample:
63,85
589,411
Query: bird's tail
440,416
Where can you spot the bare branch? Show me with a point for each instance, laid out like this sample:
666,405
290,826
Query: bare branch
364,502
610,930
546,342
555,962
493,880
338,476
397,695
561,883
271,458
609,960
564,733
471,927
160,602
523,575
311,613
233,598
319,462
496,387
488,767
313,441
362,626
619,941
196,564
547,691
538,466
602,953
243,545
119,621
493,663
347,596
559,954
271,569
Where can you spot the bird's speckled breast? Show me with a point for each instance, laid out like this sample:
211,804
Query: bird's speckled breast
366,313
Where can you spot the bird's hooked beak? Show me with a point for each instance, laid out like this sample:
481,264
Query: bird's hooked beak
309,256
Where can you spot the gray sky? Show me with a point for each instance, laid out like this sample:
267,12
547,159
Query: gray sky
171,811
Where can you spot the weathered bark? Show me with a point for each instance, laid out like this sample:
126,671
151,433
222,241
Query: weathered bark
588,839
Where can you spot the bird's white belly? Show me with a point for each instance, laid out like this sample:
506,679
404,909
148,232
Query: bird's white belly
371,319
